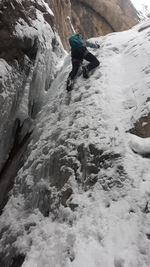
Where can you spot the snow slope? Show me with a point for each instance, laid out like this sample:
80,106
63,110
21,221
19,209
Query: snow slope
106,223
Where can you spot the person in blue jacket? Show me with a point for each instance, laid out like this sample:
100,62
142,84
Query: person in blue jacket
79,52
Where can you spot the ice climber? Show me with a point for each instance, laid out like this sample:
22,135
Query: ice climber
78,53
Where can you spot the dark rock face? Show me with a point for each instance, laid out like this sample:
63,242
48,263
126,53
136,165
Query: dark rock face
62,15
119,14
92,18
11,46
88,22
142,127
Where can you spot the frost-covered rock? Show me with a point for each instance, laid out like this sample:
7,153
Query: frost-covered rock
30,50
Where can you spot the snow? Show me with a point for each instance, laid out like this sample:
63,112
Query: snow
140,3
4,74
41,3
71,26
140,145
20,90
143,7
109,224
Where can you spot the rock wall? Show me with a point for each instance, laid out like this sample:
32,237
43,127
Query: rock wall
92,17
29,52
119,14
62,15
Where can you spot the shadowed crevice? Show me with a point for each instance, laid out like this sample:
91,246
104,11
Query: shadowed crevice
12,166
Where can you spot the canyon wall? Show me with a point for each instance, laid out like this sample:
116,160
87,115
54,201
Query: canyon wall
92,18
29,53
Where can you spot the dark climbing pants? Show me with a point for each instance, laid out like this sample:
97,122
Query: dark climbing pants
77,58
